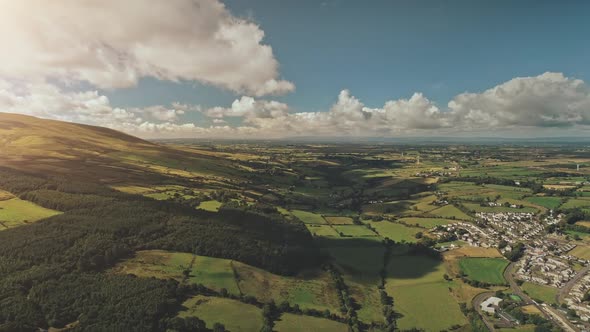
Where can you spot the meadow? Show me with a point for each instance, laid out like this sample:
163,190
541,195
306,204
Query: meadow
295,323
234,315
422,295
15,212
543,293
487,270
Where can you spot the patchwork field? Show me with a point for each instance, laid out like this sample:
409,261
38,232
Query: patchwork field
540,292
234,315
488,270
322,230
15,212
296,323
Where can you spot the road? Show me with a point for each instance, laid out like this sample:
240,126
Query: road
560,297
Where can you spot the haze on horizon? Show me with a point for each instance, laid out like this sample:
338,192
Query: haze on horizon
257,69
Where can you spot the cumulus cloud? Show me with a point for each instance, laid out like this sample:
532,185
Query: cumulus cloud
547,100
544,101
112,44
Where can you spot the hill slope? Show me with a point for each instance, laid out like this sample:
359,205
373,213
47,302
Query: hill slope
55,147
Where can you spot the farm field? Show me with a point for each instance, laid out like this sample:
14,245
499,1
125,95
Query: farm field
539,292
576,203
16,212
581,251
339,220
449,211
321,230
212,206
310,290
547,202
243,317
354,231
419,289
487,270
396,231
309,217
295,323
214,273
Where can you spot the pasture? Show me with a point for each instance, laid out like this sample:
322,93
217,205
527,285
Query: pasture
396,231
309,217
15,212
421,294
547,202
339,220
214,273
581,251
488,270
576,203
540,292
234,315
354,231
451,212
212,206
295,323
309,290
322,230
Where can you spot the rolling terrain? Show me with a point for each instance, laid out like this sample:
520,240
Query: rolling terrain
289,236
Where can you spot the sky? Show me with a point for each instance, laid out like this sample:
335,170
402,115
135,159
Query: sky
280,69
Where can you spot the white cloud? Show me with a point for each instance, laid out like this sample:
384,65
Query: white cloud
517,106
112,43
547,100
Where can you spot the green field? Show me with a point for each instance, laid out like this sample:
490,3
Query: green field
488,270
581,251
354,230
548,202
296,323
421,294
310,290
396,231
212,206
234,315
16,212
309,217
576,203
449,211
339,220
214,273
540,292
322,230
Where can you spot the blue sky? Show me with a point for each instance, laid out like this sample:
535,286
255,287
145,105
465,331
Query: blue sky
272,69
384,50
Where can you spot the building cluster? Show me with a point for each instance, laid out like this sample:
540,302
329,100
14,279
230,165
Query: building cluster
542,267
511,227
575,299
